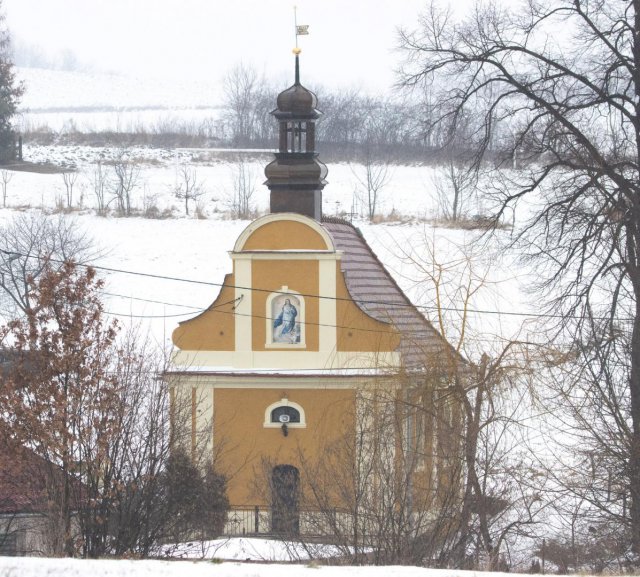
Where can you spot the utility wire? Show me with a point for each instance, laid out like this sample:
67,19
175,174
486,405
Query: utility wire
344,299
361,301
151,301
233,312
414,332
200,310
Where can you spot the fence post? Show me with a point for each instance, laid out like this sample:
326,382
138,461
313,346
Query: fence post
257,519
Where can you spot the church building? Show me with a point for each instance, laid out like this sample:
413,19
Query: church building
311,380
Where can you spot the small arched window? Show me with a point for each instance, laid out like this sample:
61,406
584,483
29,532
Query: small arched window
284,412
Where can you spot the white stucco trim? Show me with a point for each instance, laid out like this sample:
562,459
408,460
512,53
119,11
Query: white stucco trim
287,255
289,383
284,403
327,306
204,416
244,308
291,216
288,359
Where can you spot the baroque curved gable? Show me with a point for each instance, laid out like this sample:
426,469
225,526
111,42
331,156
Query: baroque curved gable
284,231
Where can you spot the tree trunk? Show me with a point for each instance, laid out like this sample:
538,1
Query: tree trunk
634,453
634,272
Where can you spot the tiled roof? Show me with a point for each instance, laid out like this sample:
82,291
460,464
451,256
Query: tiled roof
375,291
23,477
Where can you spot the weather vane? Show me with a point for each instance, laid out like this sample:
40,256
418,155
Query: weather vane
300,29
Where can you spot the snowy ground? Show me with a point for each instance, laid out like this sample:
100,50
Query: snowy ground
94,101
33,567
191,255
249,549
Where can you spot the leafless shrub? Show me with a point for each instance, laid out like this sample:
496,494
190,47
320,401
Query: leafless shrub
240,200
187,187
5,179
455,185
99,183
126,173
69,178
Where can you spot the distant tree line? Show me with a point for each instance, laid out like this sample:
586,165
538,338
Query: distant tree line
394,128
28,55
353,124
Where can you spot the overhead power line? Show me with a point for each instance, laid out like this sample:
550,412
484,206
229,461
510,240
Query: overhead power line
345,299
425,308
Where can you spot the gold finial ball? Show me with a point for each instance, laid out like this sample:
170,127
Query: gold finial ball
296,50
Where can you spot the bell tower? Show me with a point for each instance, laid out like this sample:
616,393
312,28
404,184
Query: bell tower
296,177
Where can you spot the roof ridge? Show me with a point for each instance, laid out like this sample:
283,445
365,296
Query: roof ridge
337,220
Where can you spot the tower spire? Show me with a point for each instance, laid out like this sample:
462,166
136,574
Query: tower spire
300,30
296,177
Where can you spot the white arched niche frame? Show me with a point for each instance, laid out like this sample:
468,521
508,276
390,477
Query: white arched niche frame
269,424
285,323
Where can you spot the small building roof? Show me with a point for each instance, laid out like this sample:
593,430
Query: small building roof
23,477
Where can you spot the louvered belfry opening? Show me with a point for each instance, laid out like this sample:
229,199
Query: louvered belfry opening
296,177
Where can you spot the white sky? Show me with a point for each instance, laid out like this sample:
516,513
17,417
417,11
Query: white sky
351,42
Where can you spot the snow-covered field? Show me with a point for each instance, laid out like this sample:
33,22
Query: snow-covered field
32,567
97,101
249,549
187,252
196,250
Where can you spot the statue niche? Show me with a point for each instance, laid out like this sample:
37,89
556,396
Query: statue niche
286,314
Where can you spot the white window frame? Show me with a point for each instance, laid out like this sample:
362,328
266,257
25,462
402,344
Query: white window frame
284,403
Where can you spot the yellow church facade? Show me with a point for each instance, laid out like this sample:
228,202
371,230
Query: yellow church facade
311,376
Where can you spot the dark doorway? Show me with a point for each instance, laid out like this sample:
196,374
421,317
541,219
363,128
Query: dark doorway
285,490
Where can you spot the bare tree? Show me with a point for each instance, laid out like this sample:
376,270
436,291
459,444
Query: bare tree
28,243
502,497
125,178
354,125
241,199
5,179
99,184
69,179
187,186
373,492
593,436
248,101
342,120
573,108
138,501
371,177
455,184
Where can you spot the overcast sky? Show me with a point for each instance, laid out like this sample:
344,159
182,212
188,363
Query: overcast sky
350,42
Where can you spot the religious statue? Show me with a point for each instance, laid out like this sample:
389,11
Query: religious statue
285,327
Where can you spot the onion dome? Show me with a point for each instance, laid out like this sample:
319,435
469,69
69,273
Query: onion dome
297,101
